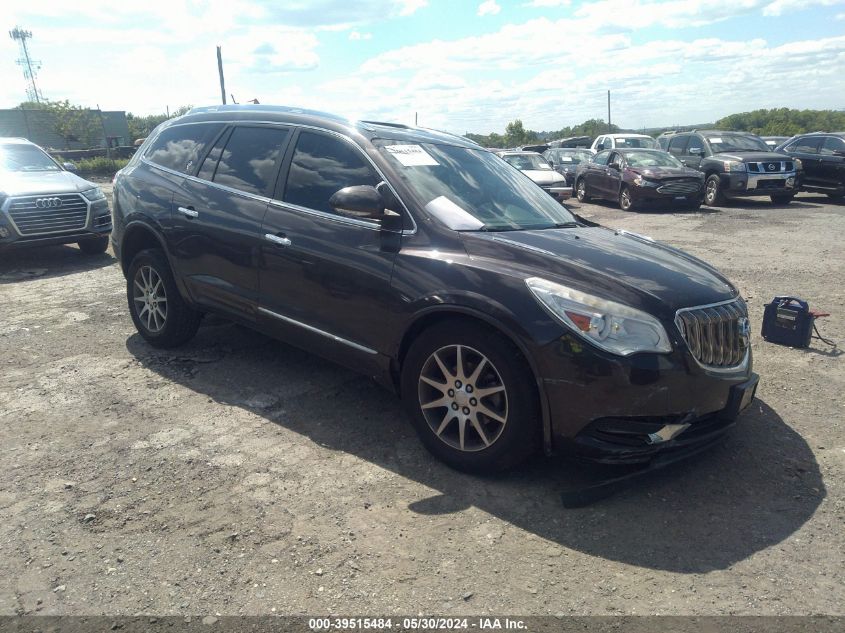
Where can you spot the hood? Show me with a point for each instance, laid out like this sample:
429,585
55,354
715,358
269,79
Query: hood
615,265
543,176
658,173
753,157
34,183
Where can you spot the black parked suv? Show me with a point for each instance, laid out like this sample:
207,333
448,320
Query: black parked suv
735,164
505,322
822,156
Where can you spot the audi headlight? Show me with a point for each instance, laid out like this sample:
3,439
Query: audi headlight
641,181
734,165
612,326
798,164
92,195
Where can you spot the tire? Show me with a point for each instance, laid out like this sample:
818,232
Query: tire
489,445
160,314
581,190
94,245
713,191
626,203
785,198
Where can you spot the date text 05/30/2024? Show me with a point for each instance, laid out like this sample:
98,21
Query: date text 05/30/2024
416,624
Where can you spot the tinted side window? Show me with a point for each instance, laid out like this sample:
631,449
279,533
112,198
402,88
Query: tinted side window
601,157
832,144
249,161
322,165
806,145
209,165
678,145
179,147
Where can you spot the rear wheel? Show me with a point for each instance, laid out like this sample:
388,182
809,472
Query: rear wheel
784,198
94,245
626,202
160,314
581,191
471,398
713,191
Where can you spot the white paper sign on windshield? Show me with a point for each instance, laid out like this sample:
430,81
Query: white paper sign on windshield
411,155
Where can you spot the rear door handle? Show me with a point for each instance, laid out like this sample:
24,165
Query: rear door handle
278,240
188,212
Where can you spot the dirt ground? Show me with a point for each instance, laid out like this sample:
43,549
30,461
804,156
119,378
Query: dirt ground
242,476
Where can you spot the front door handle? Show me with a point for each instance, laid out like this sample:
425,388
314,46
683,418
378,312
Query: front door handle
188,212
278,240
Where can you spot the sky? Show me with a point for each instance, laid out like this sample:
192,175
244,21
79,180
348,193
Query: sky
459,65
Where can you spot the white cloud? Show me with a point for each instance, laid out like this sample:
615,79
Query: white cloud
409,7
540,4
780,7
488,7
357,35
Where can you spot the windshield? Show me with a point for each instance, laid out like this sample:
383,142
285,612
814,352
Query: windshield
474,184
737,143
652,159
527,161
25,158
635,141
571,155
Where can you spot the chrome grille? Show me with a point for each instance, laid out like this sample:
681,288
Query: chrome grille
717,335
679,187
31,218
771,167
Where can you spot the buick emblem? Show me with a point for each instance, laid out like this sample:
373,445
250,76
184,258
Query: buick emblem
772,167
48,203
744,327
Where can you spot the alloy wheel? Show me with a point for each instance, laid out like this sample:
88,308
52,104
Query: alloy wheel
625,199
581,191
711,191
150,298
463,398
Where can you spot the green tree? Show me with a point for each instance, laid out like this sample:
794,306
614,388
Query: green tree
142,126
516,134
72,122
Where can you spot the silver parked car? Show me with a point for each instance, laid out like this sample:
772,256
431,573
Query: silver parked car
43,202
540,171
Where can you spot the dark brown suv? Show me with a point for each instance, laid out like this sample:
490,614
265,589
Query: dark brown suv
503,321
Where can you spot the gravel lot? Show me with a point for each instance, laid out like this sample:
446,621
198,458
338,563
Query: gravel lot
242,476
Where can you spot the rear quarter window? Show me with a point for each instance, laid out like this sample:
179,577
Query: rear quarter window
180,147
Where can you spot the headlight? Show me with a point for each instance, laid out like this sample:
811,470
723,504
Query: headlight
640,181
92,195
611,326
734,165
798,164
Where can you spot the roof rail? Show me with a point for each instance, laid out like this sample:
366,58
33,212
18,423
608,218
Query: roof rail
260,107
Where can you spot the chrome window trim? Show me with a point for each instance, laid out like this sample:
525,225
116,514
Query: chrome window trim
85,227
289,205
741,367
311,328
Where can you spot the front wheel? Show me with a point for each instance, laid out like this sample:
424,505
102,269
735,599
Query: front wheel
160,314
713,191
784,198
94,245
471,398
626,202
581,191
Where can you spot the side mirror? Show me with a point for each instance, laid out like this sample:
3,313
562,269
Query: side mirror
696,151
360,201
615,165
69,167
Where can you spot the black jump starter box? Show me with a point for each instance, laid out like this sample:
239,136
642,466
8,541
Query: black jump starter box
788,321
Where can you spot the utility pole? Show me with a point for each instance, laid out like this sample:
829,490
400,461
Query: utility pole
609,127
29,65
220,72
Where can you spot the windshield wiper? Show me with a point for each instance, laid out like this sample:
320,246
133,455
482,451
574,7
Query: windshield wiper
500,229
